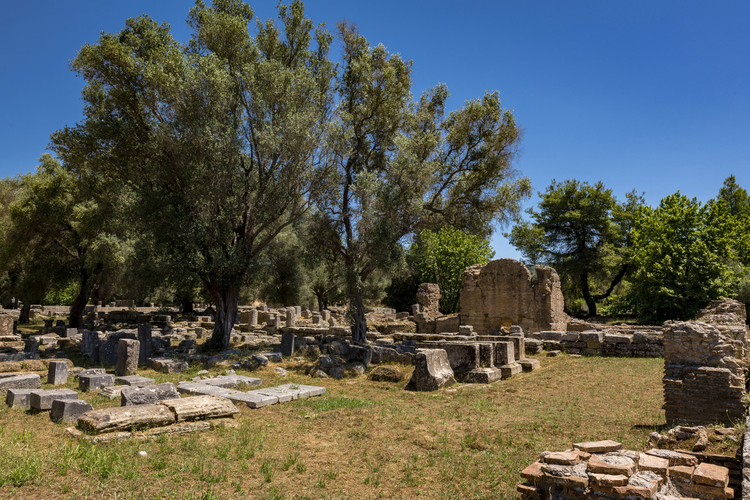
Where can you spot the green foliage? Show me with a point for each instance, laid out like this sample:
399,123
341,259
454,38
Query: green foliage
402,166
61,295
443,256
679,253
581,231
219,139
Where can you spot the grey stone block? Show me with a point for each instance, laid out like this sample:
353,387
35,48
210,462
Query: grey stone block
68,410
57,372
131,396
134,381
19,398
95,382
287,338
28,381
42,400
252,399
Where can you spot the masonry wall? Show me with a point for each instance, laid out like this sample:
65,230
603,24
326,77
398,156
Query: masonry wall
504,293
704,380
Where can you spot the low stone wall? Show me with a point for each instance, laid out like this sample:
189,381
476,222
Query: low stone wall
639,344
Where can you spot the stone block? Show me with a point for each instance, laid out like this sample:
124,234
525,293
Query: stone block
144,337
617,338
68,410
57,372
130,396
19,398
287,340
447,324
555,336
462,356
26,381
591,336
530,364
598,446
42,400
252,399
510,369
711,475
360,354
134,381
200,408
94,382
505,353
128,351
167,365
431,370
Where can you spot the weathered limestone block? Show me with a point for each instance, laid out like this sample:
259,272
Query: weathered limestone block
123,418
19,398
42,400
95,381
431,370
128,351
130,396
287,339
6,325
428,297
68,410
134,380
200,407
27,381
57,372
167,365
503,293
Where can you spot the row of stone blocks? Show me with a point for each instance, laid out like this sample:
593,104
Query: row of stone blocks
486,361
598,343
601,469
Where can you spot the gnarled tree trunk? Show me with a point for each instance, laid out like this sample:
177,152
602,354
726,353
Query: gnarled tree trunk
226,298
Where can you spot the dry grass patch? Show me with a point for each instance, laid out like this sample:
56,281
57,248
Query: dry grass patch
363,439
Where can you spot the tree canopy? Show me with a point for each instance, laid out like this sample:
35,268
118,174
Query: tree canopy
582,231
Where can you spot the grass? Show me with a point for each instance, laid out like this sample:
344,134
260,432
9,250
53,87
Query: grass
362,439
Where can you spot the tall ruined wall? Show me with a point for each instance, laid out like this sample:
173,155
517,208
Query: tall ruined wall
704,380
503,293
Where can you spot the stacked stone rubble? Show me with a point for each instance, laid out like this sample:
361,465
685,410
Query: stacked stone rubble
601,469
704,380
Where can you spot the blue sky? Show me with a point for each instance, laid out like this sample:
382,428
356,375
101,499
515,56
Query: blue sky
642,95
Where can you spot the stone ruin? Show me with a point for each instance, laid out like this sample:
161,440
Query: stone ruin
602,469
704,366
504,293
426,312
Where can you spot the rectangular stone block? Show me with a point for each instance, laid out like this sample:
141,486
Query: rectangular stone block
486,355
57,372
144,337
134,381
591,336
19,398
616,338
42,400
130,396
27,381
462,356
551,335
95,382
505,353
68,410
200,407
511,369
128,351
252,399
287,341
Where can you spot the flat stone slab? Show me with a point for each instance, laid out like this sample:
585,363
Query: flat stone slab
511,369
95,382
27,381
598,446
134,381
68,410
310,390
226,382
42,400
210,390
200,408
282,395
252,399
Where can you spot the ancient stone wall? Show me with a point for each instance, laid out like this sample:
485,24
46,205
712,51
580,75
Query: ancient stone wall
704,380
504,293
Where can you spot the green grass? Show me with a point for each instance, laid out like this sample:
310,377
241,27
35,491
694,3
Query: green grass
361,439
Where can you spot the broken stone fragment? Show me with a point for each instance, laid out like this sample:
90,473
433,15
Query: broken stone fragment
711,475
561,458
674,457
654,464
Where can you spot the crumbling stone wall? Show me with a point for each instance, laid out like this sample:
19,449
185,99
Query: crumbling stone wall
704,365
504,293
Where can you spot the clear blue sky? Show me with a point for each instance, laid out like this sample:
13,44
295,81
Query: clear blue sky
638,94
